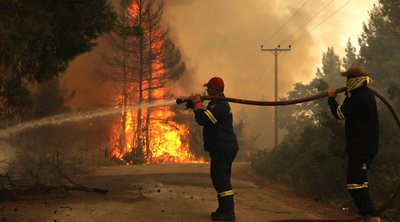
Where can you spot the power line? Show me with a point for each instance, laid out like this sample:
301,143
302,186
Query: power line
251,91
322,21
273,34
308,21
275,52
252,70
304,3
251,75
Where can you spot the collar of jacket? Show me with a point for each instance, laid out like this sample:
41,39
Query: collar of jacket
357,90
219,95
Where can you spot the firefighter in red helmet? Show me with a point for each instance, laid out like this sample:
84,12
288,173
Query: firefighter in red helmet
221,143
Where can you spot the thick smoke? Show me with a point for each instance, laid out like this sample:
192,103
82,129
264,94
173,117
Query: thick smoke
223,38
7,155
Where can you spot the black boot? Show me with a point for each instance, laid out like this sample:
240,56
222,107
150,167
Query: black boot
363,202
223,216
219,206
225,211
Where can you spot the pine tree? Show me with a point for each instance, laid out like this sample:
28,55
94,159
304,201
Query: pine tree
351,56
380,46
294,118
38,39
331,68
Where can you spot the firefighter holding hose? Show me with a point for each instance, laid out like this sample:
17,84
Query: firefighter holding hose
361,129
221,143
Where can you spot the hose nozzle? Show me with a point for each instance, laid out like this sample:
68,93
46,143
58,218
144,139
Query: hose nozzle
182,100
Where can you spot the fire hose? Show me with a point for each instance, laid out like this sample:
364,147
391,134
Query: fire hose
395,194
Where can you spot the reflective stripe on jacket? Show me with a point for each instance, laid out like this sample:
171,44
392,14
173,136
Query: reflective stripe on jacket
217,120
361,120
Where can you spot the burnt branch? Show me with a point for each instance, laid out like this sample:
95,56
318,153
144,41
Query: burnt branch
76,185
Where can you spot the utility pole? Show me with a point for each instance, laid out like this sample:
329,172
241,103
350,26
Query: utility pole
276,52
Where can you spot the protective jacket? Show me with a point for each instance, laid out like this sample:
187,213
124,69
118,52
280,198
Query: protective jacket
217,120
361,121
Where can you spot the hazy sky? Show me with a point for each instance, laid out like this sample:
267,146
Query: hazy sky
223,38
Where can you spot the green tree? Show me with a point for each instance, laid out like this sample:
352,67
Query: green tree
38,39
331,68
314,143
379,51
50,98
351,57
379,46
325,140
295,118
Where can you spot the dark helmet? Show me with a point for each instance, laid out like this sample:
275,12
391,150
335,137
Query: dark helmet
355,71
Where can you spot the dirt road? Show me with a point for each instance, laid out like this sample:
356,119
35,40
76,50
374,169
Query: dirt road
163,192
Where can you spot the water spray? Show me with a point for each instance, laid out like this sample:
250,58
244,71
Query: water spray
79,116
75,117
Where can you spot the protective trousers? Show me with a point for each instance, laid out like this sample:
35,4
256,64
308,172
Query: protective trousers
357,184
220,170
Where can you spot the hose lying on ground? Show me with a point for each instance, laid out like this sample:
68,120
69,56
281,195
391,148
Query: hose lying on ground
394,195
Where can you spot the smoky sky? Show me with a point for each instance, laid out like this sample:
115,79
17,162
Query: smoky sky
223,38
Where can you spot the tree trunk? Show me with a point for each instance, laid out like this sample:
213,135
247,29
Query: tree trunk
122,142
149,97
140,83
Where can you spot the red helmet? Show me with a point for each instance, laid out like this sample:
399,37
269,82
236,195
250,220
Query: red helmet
215,81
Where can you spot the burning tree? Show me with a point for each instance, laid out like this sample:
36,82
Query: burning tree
145,62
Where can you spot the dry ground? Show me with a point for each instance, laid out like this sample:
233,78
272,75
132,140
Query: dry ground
164,192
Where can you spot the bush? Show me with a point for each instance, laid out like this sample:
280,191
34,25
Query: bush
312,165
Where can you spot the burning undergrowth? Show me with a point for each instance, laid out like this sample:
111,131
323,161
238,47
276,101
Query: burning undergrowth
161,138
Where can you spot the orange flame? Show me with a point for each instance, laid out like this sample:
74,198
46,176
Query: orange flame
168,141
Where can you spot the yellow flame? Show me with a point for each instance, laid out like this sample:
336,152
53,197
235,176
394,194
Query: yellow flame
168,140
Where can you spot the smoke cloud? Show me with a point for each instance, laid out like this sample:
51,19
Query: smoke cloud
7,155
223,38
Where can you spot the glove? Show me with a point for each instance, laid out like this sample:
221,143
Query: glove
332,92
196,98
197,103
